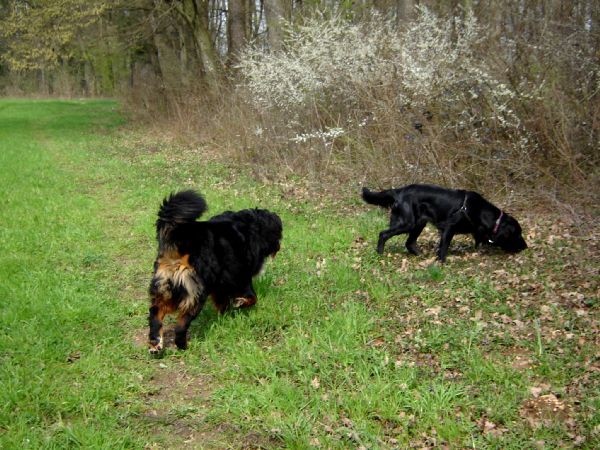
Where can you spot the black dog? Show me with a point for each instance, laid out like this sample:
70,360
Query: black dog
451,211
218,257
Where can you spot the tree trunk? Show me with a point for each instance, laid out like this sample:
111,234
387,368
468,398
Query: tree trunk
237,21
210,57
194,16
276,12
406,10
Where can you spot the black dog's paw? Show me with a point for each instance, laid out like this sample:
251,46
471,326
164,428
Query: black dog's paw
413,250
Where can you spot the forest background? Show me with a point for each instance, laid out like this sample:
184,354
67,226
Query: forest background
499,96
293,106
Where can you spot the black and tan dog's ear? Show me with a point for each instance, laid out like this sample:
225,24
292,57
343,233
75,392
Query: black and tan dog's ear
239,232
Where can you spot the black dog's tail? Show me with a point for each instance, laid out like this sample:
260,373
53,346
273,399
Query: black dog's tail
179,208
384,199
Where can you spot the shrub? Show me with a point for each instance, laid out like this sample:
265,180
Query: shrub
437,100
412,104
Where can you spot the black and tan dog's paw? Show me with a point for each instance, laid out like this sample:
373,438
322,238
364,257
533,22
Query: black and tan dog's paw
243,302
155,346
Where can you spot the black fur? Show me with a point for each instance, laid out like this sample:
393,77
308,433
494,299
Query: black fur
452,211
180,208
218,257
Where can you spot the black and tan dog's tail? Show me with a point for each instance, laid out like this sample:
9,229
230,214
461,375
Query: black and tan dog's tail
182,207
385,199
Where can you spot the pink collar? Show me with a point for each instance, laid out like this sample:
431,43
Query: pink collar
497,224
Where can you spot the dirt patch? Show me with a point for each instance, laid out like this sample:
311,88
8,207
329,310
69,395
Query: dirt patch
488,427
545,410
174,383
140,338
177,401
519,358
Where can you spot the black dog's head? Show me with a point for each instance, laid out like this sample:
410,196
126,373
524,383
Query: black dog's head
509,235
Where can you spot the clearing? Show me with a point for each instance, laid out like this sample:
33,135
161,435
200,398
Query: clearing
345,349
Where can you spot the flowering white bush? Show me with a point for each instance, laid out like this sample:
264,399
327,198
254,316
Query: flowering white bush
329,135
322,57
431,65
423,93
418,102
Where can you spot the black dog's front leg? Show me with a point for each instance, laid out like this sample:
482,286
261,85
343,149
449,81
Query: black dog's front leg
445,239
411,242
479,236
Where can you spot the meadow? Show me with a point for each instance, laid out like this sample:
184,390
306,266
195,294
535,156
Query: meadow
345,348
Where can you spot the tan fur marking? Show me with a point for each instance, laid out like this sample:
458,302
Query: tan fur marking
244,302
185,261
177,268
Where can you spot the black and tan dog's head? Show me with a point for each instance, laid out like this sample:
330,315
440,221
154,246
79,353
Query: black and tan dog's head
274,230
263,226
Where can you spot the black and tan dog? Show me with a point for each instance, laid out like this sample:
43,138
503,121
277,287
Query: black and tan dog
218,257
452,211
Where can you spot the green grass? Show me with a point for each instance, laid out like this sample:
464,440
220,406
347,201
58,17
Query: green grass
344,349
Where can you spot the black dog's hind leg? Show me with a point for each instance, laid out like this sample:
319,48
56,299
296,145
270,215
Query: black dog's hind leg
411,241
390,233
402,220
